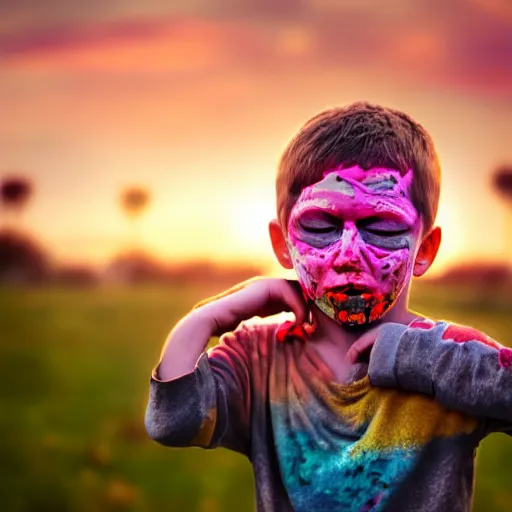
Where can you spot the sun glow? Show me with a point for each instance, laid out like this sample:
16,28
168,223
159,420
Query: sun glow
249,225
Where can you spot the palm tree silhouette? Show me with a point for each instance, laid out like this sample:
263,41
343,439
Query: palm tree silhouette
134,201
502,182
22,259
15,192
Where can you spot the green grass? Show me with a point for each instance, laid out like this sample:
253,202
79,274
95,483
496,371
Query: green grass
75,366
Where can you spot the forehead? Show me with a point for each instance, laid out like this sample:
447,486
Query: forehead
354,191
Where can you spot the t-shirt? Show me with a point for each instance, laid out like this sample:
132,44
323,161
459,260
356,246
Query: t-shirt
401,438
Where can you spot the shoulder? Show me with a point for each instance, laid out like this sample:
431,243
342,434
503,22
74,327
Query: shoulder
254,338
457,333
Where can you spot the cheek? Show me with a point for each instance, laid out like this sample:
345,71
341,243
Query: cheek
393,270
310,264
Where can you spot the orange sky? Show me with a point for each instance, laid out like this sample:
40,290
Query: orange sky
197,104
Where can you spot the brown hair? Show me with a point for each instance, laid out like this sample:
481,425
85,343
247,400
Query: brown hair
366,135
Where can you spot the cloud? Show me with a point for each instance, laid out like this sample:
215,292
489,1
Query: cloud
456,44
451,44
156,45
70,38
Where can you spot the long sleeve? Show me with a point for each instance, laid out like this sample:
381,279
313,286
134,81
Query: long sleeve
208,407
460,367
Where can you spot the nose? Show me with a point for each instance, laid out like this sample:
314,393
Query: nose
348,257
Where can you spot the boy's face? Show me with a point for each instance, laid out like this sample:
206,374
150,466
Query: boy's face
352,238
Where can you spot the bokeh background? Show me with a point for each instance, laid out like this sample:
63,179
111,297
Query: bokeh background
138,148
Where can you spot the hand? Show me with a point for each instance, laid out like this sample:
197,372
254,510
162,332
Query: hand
363,344
255,297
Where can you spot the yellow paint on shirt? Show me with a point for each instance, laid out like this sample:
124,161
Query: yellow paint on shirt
204,436
395,419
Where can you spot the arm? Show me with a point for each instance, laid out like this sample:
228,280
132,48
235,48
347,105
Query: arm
207,406
460,367
203,399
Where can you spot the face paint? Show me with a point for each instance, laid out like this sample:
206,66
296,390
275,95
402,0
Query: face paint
352,240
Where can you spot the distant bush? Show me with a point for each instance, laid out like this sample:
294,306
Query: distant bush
135,267
138,267
22,259
486,277
75,275
479,273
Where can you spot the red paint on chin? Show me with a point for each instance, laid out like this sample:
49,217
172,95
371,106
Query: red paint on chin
377,310
343,316
375,306
353,319
336,296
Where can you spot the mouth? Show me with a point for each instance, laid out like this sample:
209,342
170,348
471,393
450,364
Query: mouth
355,304
350,290
351,298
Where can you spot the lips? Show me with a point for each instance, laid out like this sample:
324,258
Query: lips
350,299
351,290
338,298
356,305
349,305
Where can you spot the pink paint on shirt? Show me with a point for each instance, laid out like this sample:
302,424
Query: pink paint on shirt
505,358
463,334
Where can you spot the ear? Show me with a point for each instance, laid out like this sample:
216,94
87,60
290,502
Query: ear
427,252
278,240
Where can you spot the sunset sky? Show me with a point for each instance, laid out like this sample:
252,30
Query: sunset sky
196,100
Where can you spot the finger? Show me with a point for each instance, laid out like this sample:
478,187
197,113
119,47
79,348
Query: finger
361,345
284,295
285,302
297,301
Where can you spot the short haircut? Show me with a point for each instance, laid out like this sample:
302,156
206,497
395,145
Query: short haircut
366,135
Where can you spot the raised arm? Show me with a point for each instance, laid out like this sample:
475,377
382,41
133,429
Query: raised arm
203,399
458,366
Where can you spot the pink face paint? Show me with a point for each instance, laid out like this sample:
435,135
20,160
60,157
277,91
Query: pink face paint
352,240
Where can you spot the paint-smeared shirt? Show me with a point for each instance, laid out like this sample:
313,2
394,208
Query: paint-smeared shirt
402,438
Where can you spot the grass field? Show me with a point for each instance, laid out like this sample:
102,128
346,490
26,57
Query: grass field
75,366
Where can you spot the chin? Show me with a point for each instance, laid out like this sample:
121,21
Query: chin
355,310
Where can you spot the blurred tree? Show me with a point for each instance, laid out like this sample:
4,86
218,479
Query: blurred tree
134,201
15,193
22,259
502,180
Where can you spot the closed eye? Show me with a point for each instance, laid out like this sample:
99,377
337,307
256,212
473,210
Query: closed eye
384,227
319,224
386,232
318,229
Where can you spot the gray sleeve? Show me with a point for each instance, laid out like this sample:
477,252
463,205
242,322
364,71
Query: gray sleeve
461,368
208,407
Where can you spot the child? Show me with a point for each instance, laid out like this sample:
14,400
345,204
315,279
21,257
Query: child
359,404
